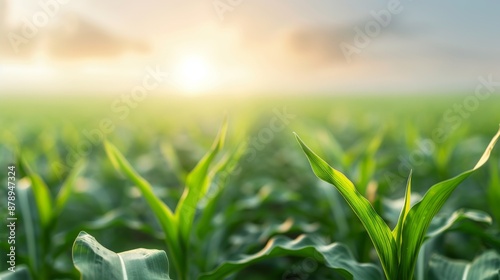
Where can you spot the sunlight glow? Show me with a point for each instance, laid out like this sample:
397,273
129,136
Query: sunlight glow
194,75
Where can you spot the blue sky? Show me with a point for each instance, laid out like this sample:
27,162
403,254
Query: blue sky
250,46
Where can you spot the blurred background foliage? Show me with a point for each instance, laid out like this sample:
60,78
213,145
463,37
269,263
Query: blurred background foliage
375,141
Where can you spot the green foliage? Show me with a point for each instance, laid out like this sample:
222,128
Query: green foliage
40,218
484,267
177,226
397,251
251,208
96,262
334,256
379,232
494,191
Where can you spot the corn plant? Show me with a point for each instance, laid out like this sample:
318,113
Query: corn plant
397,249
95,261
177,224
40,214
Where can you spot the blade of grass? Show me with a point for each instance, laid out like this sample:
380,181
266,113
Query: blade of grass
421,214
377,229
23,190
170,155
398,230
162,212
368,164
494,191
42,195
197,184
226,166
67,187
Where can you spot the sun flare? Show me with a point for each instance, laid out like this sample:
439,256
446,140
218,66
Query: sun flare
194,74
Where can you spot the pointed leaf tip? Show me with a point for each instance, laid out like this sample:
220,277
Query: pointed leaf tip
377,229
421,214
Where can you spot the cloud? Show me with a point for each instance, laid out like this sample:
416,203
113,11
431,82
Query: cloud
4,42
320,46
78,38
316,46
67,37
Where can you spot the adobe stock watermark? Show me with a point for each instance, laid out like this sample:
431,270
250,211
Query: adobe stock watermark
222,7
451,120
278,122
371,29
425,148
281,119
453,117
121,107
47,10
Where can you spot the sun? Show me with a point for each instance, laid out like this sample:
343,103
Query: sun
194,74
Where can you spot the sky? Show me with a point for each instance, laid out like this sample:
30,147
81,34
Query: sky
248,46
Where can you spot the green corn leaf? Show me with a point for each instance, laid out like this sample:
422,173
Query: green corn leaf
67,187
170,155
197,184
31,224
227,167
494,191
42,194
485,267
97,262
442,224
379,232
421,214
398,230
161,211
335,256
368,164
335,151
459,220
21,273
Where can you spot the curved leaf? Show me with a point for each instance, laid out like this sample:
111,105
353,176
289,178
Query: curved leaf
485,267
335,256
367,163
160,209
67,188
377,229
225,167
197,184
398,230
444,224
162,212
29,210
494,191
420,216
96,262
42,194
172,158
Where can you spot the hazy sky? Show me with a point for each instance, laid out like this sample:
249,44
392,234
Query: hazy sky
245,46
